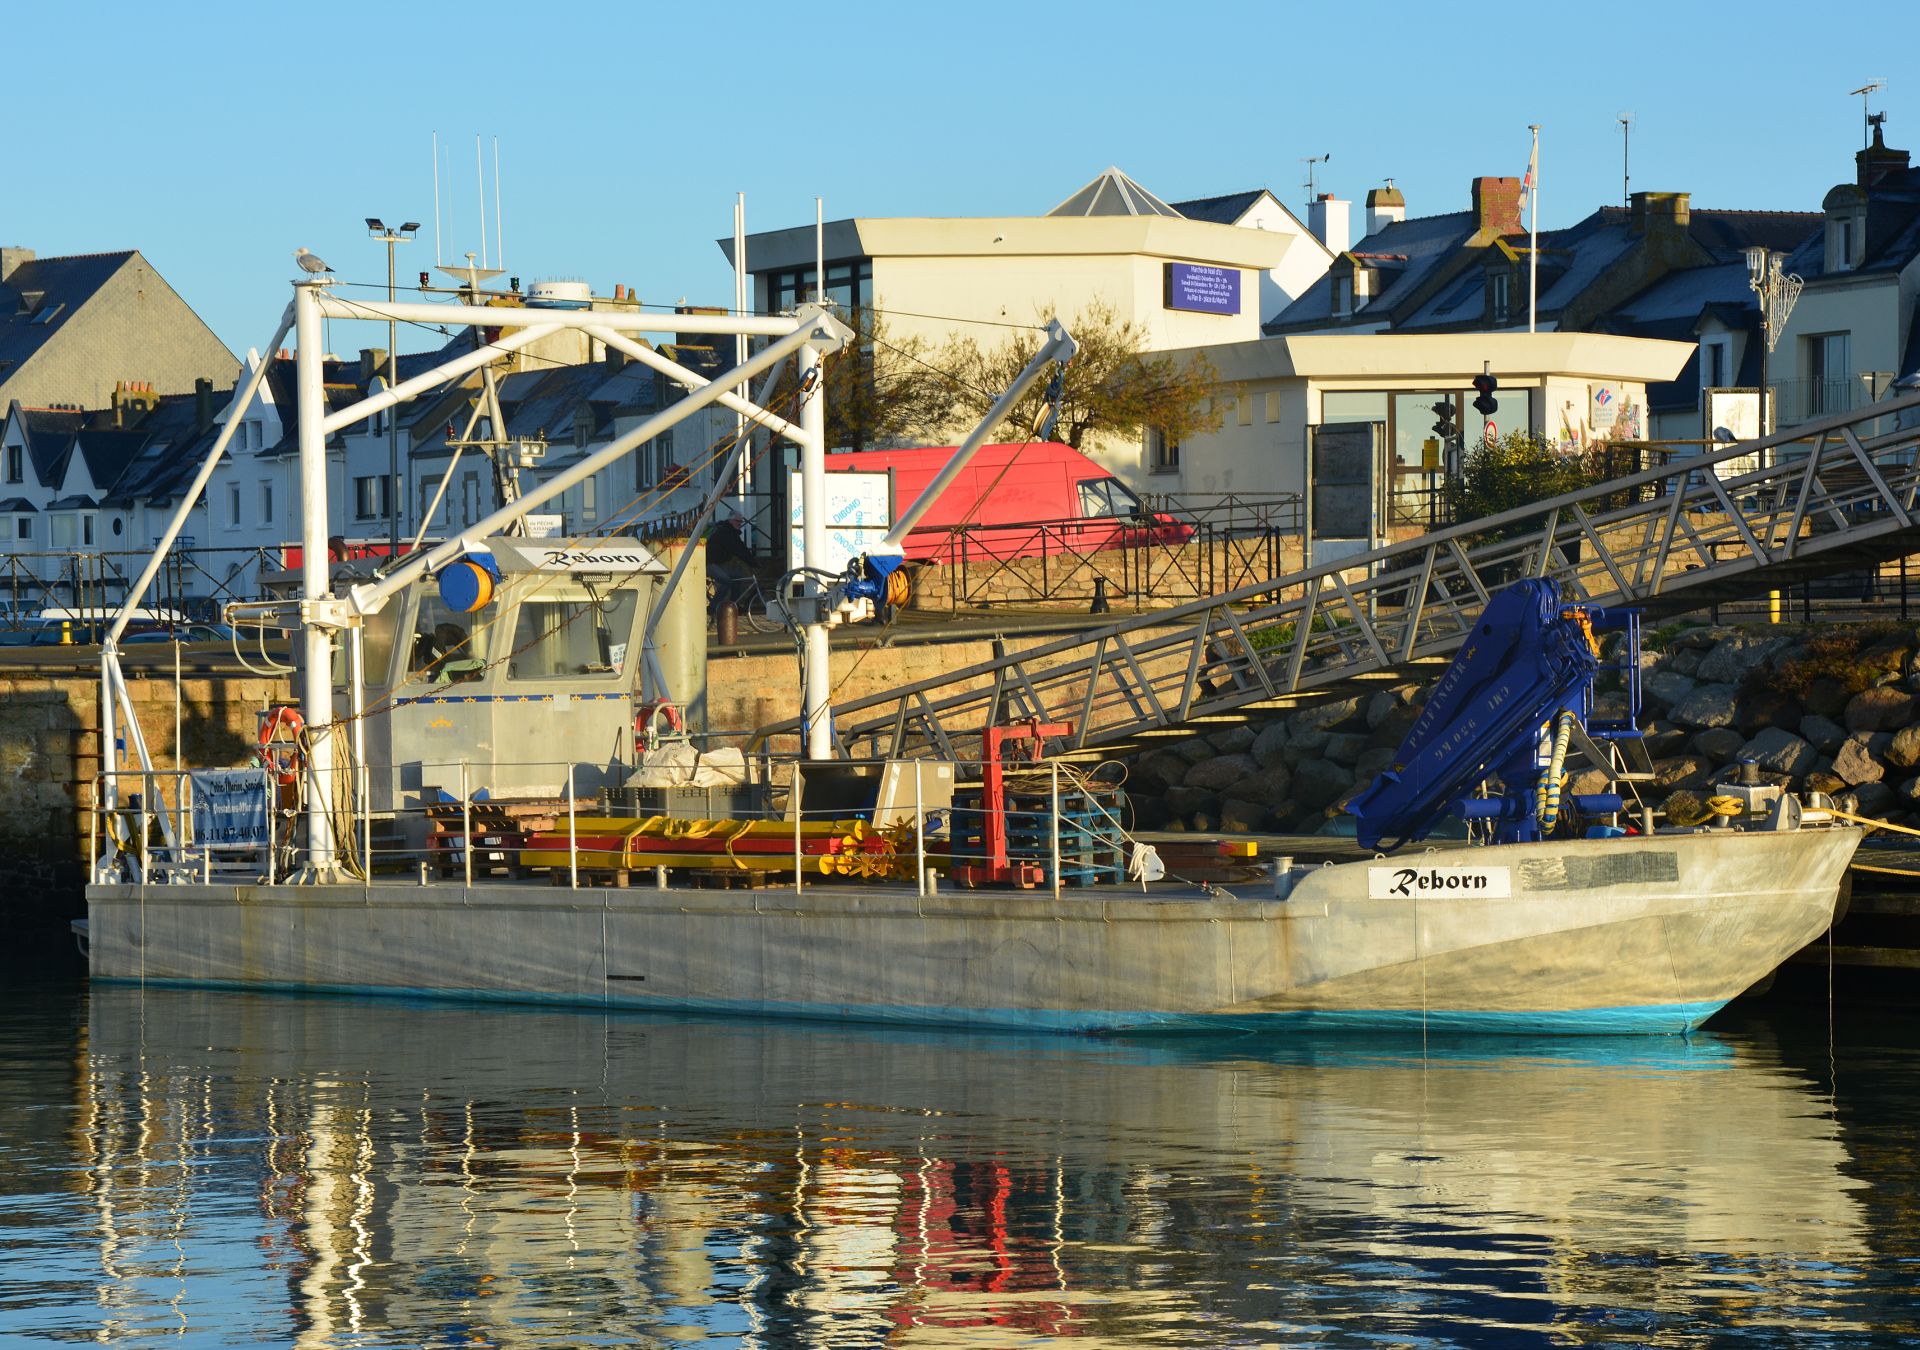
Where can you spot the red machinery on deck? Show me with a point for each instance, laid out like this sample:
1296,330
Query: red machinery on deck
1027,740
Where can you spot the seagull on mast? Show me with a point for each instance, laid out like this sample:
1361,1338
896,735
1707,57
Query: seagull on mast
309,262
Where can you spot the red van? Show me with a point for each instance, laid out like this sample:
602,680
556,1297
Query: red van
1015,501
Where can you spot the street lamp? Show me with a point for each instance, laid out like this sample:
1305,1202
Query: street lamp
390,237
1777,292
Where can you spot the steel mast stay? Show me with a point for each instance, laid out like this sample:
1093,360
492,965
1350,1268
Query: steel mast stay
321,613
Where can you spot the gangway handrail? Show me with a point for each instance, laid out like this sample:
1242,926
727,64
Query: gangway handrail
1783,496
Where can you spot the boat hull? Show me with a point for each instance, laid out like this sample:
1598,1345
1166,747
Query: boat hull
1603,937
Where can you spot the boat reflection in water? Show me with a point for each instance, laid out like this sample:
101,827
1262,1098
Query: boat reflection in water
318,1172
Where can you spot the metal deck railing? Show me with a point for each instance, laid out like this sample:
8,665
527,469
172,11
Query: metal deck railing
1834,495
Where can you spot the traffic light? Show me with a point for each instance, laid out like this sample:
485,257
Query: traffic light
1444,428
1485,404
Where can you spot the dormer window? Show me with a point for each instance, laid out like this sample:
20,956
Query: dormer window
1846,243
1342,296
1500,299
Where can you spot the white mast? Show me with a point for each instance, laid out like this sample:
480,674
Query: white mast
1533,229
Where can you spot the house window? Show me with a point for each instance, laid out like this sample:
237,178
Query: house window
1828,374
62,533
1243,409
1273,406
16,464
266,502
1163,454
1501,296
23,527
1843,245
86,531
469,498
849,285
589,497
1713,365
1342,297
370,497
233,504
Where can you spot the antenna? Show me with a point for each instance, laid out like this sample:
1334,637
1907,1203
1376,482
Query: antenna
436,199
446,167
480,186
1310,161
1863,92
499,238
1625,120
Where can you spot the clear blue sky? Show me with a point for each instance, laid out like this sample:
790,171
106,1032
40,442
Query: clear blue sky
218,142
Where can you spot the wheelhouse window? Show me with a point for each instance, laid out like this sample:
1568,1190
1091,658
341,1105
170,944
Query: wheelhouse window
572,630
449,647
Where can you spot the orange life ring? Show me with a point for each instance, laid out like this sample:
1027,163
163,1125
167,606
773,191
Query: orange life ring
665,711
287,769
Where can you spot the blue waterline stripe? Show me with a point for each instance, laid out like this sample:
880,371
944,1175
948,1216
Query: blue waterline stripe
1659,1019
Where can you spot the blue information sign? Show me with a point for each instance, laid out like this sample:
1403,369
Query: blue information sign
1207,290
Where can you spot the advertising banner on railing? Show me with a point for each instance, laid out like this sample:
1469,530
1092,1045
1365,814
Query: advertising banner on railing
230,807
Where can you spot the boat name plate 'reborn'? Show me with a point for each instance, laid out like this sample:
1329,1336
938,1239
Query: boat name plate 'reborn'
1394,883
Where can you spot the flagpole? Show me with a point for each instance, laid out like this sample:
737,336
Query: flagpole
1533,230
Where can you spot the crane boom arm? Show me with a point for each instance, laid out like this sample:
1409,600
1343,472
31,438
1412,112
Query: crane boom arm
1528,657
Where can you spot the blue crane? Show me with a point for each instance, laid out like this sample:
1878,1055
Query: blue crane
1505,708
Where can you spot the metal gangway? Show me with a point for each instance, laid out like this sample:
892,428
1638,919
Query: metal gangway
1826,496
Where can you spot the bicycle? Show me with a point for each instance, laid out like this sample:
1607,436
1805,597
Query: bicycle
760,612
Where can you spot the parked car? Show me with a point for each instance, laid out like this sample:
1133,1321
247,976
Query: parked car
1015,501
186,632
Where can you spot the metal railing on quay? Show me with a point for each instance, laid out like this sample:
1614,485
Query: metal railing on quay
91,584
1176,547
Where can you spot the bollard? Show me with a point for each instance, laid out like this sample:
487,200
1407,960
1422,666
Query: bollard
1100,605
1282,877
726,624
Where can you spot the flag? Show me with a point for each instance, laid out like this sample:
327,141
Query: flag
1533,170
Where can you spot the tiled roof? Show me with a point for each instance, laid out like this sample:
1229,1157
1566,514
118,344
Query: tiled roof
1424,242
42,295
1220,210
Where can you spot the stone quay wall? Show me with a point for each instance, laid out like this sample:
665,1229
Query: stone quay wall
1828,708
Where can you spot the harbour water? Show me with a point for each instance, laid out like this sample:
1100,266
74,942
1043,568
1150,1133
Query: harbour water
212,1169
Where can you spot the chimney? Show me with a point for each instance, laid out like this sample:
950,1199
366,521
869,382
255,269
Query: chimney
1496,207
1331,221
11,258
202,403
373,361
1660,213
1873,164
1385,206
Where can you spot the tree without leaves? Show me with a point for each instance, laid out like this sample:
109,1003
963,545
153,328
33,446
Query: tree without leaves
880,389
1112,385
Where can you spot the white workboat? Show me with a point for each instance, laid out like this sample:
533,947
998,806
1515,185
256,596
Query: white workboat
1606,930
1602,936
